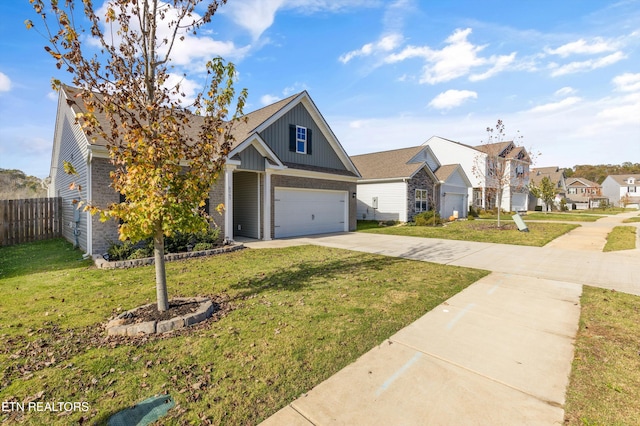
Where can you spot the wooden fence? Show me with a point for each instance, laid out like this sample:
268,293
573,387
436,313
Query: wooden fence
33,219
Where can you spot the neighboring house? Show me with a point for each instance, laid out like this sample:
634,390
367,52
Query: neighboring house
475,161
557,177
622,190
286,175
398,184
584,194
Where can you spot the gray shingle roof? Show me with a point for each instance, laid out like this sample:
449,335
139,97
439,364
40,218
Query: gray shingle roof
388,164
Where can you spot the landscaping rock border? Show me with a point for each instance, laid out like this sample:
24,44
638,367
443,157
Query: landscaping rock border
116,327
101,263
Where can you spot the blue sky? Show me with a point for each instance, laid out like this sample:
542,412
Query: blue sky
565,75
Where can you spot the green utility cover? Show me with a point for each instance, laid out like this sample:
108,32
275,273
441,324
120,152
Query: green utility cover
143,413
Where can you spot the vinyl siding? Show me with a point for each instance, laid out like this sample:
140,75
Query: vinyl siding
392,201
72,146
246,206
277,137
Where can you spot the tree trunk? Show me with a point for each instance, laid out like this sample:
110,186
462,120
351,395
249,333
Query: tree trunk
498,203
161,275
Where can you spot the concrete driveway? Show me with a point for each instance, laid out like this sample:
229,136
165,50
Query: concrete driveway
497,353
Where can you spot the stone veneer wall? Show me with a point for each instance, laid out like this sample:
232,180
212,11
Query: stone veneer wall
301,182
421,180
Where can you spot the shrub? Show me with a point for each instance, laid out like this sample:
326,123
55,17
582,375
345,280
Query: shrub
203,246
140,253
428,218
473,212
120,251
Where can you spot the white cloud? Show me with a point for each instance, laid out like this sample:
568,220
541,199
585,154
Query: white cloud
627,82
556,106
191,51
582,47
269,99
455,60
5,82
452,98
501,63
188,87
565,91
386,44
256,16
589,65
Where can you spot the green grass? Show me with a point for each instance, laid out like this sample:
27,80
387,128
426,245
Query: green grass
483,231
603,388
632,219
621,238
299,315
568,216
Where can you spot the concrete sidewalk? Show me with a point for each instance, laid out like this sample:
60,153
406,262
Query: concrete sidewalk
497,353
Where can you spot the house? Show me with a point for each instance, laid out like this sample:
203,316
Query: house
622,190
400,183
477,163
286,175
584,194
556,176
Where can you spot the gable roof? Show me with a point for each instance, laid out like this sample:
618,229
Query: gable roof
554,173
443,172
573,181
389,164
245,128
622,179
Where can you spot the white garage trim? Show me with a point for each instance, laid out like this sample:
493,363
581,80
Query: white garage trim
300,211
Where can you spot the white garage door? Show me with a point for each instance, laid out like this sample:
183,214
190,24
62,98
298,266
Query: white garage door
453,202
306,211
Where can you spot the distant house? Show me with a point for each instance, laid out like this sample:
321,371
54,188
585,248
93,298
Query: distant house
622,190
556,176
476,163
286,175
400,183
584,194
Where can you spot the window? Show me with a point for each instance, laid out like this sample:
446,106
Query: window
301,140
519,170
421,200
573,190
631,189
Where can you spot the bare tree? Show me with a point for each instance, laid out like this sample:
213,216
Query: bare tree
166,156
501,165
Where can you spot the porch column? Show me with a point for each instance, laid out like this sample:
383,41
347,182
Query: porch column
266,226
228,201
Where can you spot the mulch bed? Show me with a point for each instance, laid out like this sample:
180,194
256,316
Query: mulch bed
177,308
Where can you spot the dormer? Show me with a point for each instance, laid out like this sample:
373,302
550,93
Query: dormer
630,180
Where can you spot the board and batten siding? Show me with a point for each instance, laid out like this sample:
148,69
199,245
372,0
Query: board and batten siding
251,159
73,149
392,201
246,207
277,137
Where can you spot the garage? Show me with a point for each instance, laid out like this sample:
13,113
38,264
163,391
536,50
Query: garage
309,211
453,202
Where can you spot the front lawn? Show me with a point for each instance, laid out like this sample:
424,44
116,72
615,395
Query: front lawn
299,315
632,219
621,238
567,216
539,234
603,387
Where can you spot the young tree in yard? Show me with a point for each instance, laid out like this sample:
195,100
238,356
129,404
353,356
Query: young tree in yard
166,157
546,191
501,165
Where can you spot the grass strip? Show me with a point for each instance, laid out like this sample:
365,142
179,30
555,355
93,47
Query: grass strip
603,388
479,230
621,238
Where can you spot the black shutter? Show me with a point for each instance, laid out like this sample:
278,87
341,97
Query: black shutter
292,137
308,141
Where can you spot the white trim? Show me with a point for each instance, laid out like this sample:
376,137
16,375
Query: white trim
266,235
260,145
228,201
316,175
89,235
